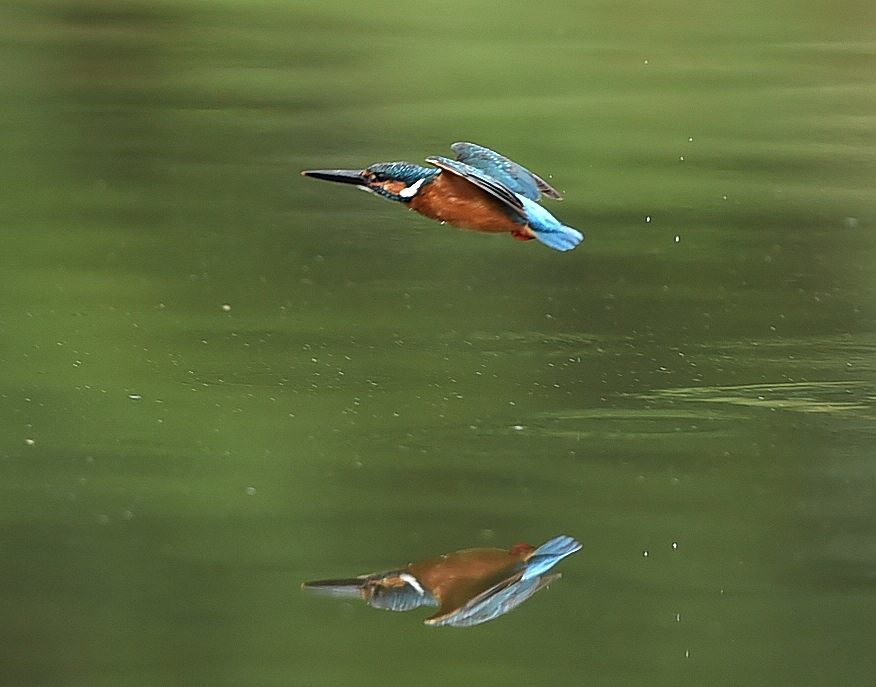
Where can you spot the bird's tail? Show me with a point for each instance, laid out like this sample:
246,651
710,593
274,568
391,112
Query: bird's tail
559,238
549,554
548,228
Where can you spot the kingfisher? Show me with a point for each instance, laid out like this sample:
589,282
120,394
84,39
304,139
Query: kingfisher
480,190
469,587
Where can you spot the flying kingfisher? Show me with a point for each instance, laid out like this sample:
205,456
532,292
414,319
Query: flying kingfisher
479,190
469,587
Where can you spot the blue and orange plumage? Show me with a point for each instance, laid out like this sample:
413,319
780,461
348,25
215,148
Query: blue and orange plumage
470,587
480,190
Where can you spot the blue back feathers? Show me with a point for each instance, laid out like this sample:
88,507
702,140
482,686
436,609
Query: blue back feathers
516,177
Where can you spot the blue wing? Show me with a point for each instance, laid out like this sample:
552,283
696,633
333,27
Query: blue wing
514,176
482,180
494,602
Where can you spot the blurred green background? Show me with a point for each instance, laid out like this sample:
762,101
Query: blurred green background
218,379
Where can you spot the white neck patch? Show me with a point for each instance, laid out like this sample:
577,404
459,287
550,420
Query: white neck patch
411,191
407,577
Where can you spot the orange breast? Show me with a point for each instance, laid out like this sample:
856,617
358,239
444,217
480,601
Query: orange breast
454,200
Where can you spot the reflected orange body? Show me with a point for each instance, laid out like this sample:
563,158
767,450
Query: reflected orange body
454,578
454,200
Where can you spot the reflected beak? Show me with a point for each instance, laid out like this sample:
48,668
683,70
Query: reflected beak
343,176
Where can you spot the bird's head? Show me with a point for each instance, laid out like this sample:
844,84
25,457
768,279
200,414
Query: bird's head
399,181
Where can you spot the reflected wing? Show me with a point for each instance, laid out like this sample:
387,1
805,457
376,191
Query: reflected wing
492,603
514,176
482,180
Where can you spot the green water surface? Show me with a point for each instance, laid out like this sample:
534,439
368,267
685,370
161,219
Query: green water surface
218,379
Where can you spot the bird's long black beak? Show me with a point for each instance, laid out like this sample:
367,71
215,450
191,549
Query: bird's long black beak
342,176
